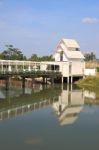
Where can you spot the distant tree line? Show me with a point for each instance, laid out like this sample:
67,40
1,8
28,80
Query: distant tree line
12,53
90,56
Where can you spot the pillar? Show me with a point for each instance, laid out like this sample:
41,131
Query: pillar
71,79
68,79
16,67
62,79
29,68
9,68
23,66
71,87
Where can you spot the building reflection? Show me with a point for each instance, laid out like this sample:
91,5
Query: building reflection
69,105
89,94
67,102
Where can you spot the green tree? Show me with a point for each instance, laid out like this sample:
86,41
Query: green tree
34,57
90,56
46,58
12,53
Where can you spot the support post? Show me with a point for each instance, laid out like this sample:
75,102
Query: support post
68,79
52,80
71,79
62,79
23,82
2,66
16,67
43,80
9,68
46,80
7,83
32,82
71,87
29,68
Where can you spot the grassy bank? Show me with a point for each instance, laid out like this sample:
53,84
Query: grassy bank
89,82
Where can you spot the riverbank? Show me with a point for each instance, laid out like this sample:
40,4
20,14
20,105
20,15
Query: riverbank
89,82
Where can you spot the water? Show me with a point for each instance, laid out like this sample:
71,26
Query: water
49,118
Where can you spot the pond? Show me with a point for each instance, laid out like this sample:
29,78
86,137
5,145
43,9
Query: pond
49,118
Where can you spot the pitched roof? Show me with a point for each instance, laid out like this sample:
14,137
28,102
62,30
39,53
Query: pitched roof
74,54
70,43
64,46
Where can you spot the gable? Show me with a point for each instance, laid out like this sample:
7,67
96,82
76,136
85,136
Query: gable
70,49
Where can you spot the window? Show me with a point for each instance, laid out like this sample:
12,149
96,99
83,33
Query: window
61,56
77,49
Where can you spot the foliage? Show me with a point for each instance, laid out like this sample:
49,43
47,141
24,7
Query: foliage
34,57
12,53
89,82
97,69
90,56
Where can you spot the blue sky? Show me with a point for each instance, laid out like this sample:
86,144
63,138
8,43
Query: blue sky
36,26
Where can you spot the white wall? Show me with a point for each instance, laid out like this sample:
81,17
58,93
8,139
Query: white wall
57,57
64,68
78,67
88,94
89,71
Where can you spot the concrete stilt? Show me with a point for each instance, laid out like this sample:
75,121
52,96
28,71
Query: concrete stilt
62,79
71,87
71,79
68,79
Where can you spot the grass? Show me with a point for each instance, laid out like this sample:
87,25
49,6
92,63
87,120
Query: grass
89,82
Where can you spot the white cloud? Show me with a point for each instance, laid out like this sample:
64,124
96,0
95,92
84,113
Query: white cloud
90,20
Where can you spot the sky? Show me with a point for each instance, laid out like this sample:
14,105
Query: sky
37,26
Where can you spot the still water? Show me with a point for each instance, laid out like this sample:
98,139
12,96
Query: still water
49,118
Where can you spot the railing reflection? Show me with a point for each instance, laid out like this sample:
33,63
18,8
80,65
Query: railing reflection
24,109
17,102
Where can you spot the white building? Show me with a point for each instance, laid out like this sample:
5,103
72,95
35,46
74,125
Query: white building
68,60
69,55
